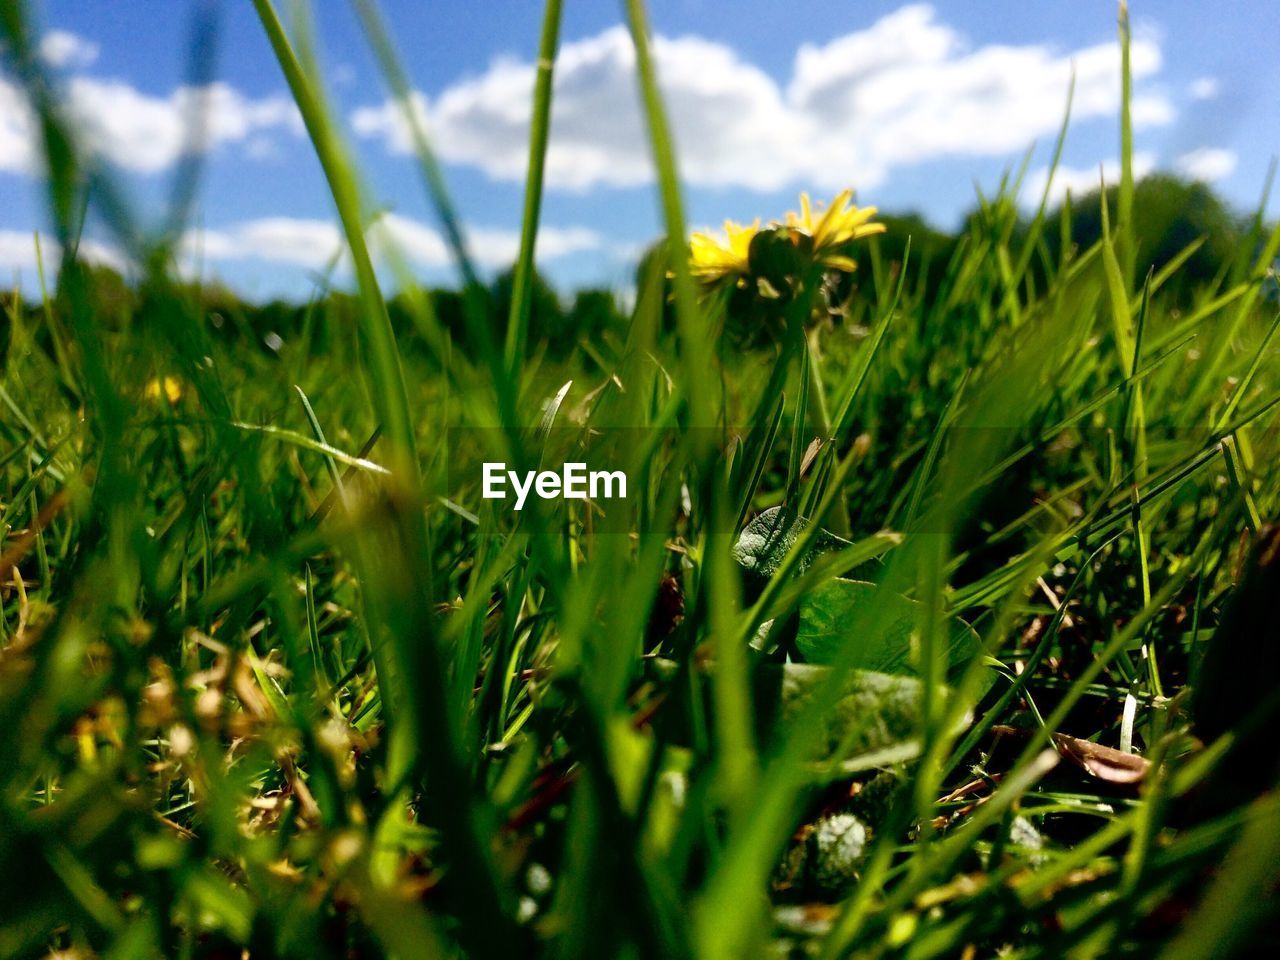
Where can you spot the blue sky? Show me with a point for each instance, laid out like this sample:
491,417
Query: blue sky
910,104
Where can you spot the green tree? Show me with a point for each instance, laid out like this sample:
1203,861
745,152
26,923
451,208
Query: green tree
1170,213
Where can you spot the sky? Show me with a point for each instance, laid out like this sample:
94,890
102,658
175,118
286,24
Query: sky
915,106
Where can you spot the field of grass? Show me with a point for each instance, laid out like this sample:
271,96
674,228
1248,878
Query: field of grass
930,626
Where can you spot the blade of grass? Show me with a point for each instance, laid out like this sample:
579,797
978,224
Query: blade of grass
539,129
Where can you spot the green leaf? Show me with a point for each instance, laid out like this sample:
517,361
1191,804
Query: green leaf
875,710
834,615
767,538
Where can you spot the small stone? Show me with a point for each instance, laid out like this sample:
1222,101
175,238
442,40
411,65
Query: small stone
838,843
539,880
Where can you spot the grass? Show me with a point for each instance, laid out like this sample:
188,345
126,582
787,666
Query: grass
275,680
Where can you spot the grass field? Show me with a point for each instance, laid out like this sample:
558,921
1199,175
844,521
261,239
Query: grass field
929,626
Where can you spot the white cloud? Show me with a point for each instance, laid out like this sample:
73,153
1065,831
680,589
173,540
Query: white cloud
17,131
314,243
1207,164
262,147
308,243
103,254
18,253
147,134
1204,88
140,132
490,247
905,90
62,48
288,240
1079,180
499,248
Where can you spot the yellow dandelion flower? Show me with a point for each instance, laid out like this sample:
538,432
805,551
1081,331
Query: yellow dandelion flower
168,387
834,227
712,258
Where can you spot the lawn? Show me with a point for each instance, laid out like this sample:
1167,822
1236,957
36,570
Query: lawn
937,618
